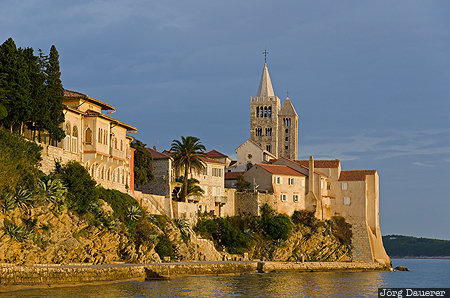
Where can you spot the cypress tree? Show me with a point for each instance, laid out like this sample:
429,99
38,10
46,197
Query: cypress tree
55,96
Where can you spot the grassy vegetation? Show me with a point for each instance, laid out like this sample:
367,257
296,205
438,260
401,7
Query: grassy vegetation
407,246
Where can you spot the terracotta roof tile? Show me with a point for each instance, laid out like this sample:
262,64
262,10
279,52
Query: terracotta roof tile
279,169
157,155
73,94
359,175
210,160
215,154
232,175
320,163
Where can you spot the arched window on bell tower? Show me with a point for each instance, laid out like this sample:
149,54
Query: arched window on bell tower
257,111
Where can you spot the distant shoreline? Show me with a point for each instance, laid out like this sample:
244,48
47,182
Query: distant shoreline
421,257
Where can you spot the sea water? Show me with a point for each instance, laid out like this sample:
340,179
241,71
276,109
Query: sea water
426,273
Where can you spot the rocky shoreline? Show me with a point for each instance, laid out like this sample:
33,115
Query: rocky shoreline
15,277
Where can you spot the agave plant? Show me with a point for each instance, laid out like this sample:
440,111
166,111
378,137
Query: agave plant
183,225
24,198
134,212
9,203
53,191
17,232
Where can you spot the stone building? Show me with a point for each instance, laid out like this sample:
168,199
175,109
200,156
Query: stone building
272,126
95,139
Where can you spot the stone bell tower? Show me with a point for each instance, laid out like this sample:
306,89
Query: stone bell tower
264,118
272,127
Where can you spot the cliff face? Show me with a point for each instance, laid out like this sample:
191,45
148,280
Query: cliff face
305,244
43,236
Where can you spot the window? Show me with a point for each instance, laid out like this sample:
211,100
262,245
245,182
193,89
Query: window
258,131
257,111
216,172
88,136
269,111
291,181
75,139
346,200
286,139
269,131
261,112
286,147
121,145
249,156
277,180
287,130
268,147
344,185
303,182
205,171
105,138
333,201
283,198
328,186
295,198
100,135
265,112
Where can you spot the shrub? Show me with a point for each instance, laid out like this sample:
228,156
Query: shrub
278,227
119,202
80,185
304,217
19,162
267,211
145,233
341,229
165,248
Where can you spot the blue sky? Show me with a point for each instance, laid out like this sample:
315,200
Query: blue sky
369,80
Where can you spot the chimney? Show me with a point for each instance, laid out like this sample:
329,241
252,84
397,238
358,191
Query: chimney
311,175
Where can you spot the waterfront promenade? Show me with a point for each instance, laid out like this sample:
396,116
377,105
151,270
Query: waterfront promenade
14,277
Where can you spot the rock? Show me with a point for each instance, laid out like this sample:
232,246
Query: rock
400,268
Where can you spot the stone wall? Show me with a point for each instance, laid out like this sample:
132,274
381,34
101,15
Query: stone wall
50,154
154,204
251,202
160,185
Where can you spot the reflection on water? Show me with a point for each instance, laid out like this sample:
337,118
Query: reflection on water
424,273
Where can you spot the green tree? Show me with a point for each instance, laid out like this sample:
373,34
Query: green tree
193,189
81,190
143,170
187,155
241,183
55,95
15,85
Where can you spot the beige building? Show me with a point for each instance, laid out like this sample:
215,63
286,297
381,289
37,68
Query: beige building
96,140
286,184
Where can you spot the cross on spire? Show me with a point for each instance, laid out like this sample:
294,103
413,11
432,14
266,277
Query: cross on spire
265,55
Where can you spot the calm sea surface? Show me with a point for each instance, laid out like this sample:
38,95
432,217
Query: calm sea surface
423,273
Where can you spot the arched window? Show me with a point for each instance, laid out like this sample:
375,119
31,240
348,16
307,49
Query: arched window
257,111
88,136
123,177
115,143
108,175
68,131
75,139
102,173
105,138
269,112
261,112
265,111
121,145
269,131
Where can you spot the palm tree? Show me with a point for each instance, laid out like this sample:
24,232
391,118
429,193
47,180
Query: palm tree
187,155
